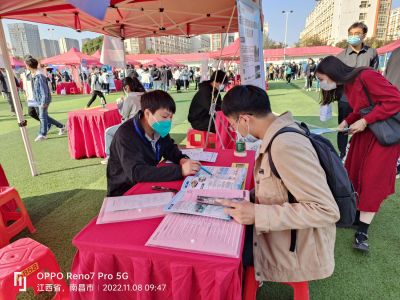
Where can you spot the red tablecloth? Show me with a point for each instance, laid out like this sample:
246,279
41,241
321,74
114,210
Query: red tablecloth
86,130
69,88
120,247
227,136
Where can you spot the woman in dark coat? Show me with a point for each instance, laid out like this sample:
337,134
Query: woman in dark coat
371,166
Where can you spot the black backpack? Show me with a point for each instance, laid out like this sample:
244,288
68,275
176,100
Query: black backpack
338,180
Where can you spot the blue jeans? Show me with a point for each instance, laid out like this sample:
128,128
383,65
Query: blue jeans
108,137
45,121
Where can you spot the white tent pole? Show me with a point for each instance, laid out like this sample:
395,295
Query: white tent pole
15,97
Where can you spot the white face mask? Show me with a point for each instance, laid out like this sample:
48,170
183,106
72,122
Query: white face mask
328,86
248,138
221,87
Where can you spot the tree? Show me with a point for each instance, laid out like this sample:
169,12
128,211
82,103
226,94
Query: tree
311,41
93,45
342,44
377,43
148,51
271,44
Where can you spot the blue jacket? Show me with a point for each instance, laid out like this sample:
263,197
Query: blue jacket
41,91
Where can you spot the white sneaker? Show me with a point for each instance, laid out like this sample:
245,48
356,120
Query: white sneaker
40,138
62,130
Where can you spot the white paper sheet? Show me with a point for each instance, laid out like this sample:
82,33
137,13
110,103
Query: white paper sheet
198,234
135,207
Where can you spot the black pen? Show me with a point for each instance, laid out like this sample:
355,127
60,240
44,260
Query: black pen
162,188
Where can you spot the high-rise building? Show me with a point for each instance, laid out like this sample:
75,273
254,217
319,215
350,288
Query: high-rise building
330,19
217,39
200,43
394,25
84,41
135,45
25,40
67,44
168,44
50,47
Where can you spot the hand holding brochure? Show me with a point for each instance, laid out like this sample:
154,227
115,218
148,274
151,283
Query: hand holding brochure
187,202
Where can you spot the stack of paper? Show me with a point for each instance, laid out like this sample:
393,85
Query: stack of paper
198,234
135,207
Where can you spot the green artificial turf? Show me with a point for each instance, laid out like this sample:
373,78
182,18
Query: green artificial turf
68,194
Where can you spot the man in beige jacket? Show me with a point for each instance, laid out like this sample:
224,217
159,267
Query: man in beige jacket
314,213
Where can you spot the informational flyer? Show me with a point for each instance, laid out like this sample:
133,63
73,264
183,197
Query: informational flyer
221,178
205,202
251,43
198,234
135,207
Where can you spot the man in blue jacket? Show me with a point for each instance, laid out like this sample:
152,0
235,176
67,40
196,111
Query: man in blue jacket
42,95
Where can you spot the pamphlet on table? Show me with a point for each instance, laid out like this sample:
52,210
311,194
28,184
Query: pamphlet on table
205,202
198,234
134,207
221,178
199,154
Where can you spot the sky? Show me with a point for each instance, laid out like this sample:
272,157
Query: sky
272,10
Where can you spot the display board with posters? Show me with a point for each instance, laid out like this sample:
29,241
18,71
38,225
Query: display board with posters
251,43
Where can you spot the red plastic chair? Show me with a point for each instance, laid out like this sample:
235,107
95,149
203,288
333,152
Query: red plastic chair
11,206
3,177
19,217
31,259
197,139
300,289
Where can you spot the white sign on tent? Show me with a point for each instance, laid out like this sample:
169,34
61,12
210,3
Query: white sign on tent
251,44
112,52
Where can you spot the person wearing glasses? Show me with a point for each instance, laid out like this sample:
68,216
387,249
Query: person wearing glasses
357,54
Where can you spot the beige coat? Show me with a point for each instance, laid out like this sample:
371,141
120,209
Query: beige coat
314,216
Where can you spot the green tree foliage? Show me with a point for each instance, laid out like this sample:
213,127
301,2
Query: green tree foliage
93,45
314,40
271,44
341,44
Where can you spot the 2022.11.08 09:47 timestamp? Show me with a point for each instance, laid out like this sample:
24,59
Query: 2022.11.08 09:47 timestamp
134,287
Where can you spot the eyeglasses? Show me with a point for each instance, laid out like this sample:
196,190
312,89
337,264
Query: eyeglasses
356,34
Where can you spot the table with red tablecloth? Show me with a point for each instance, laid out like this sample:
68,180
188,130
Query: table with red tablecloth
86,129
120,247
70,88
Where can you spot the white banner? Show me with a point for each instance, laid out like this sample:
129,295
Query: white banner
112,52
204,70
251,43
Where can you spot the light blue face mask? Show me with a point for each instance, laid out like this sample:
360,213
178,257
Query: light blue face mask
354,40
248,138
162,127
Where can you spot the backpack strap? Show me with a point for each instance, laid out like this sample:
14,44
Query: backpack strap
292,199
371,102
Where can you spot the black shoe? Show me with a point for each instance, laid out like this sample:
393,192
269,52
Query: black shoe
360,242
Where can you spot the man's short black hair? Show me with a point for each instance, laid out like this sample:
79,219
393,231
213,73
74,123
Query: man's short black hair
156,100
219,76
359,25
246,99
31,62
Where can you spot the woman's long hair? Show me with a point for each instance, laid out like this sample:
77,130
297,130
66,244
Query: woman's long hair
339,72
134,84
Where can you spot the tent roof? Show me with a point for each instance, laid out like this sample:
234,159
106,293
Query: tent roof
229,52
389,47
72,57
177,58
96,55
16,63
131,18
271,54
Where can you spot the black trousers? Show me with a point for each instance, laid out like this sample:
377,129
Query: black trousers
94,96
288,77
10,101
34,113
344,110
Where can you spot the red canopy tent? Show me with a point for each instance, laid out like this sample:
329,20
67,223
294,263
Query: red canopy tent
124,18
96,55
229,52
277,54
72,57
389,47
16,63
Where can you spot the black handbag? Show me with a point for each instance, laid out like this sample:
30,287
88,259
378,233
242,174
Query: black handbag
387,132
